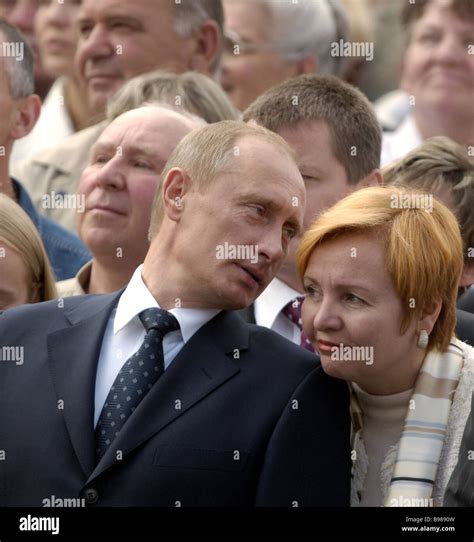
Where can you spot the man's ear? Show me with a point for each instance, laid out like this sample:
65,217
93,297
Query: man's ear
175,186
27,113
309,64
208,43
374,178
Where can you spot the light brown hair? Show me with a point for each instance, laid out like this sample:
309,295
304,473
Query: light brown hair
411,12
440,165
423,250
356,137
204,153
190,91
18,232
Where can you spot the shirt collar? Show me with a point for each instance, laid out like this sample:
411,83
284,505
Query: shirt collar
83,276
24,201
407,136
137,297
272,300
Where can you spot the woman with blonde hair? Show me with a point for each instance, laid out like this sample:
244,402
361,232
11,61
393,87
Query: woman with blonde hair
26,275
381,270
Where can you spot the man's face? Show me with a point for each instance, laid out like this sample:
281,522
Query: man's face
253,68
324,176
119,40
21,13
120,182
255,204
437,68
56,30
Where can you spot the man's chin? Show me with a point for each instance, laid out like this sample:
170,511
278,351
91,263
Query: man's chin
98,100
241,300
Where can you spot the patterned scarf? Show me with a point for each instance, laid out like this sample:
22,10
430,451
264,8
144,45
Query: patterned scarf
423,434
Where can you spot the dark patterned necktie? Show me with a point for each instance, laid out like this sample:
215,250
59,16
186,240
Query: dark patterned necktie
135,378
293,312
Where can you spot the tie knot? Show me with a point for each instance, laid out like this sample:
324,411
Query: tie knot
158,319
292,310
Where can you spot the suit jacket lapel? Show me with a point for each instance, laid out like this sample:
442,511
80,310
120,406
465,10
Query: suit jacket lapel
200,367
73,355
248,314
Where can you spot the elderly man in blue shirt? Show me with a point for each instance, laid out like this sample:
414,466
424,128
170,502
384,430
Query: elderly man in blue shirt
20,109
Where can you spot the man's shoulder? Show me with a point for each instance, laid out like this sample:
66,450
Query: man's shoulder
247,314
65,250
465,326
63,238
66,156
277,353
79,140
466,301
51,314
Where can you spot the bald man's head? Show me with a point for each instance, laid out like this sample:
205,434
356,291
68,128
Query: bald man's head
119,184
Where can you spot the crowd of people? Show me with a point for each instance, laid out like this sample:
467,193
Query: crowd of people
233,270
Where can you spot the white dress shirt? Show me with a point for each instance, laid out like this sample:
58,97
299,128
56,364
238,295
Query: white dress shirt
268,307
392,108
125,333
397,144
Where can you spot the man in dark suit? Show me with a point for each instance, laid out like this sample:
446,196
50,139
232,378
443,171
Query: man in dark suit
159,395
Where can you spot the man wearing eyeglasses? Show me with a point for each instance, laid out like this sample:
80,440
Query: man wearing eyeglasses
267,42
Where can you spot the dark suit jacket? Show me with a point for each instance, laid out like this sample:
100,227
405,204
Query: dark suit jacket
466,301
242,417
465,326
248,314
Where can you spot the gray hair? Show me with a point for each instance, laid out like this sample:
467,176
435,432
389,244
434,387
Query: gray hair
189,91
20,71
189,15
308,27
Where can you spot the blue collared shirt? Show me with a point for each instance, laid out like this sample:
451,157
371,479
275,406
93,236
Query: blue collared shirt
65,251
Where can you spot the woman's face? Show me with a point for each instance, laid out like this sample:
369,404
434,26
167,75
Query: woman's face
57,34
15,287
438,66
352,314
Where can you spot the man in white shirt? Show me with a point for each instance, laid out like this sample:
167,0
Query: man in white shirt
334,131
208,411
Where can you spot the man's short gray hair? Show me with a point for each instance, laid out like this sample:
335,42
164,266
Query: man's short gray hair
191,14
21,72
308,27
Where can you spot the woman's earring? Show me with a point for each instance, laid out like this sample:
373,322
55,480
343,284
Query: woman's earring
423,339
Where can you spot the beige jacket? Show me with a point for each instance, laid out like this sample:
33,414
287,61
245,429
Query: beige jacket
77,285
57,170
